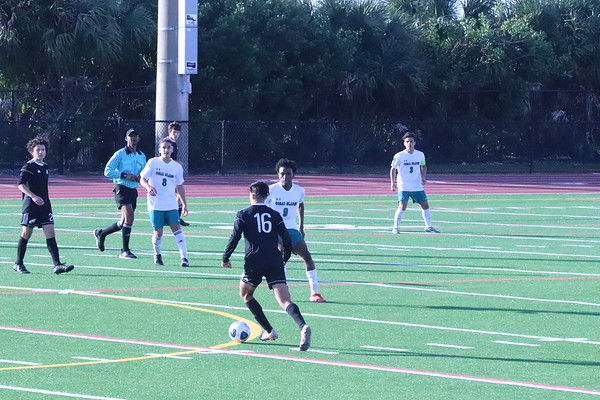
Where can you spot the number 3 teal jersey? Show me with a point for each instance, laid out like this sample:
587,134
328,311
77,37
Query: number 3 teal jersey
286,202
164,177
261,226
409,170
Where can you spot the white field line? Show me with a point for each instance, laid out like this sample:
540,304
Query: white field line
384,348
330,316
104,360
515,343
169,356
53,393
451,346
356,319
18,362
348,365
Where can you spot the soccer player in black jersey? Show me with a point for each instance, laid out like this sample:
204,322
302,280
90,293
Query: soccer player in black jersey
36,209
262,226
174,132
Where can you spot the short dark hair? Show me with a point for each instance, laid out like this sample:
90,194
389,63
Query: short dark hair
36,141
409,134
165,140
285,163
260,189
174,126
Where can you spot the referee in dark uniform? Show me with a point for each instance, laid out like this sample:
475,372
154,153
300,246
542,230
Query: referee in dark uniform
36,208
262,226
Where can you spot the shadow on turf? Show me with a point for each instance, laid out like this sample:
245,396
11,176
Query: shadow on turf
383,353
512,310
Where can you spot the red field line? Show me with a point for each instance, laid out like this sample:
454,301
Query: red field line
73,187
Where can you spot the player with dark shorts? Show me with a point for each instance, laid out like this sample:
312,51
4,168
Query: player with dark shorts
262,227
174,132
124,168
37,209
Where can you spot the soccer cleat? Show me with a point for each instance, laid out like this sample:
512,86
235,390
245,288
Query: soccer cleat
317,298
62,268
431,229
185,262
269,335
305,338
158,259
127,254
395,231
99,240
20,268
183,223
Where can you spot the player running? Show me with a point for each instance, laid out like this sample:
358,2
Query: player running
288,198
262,227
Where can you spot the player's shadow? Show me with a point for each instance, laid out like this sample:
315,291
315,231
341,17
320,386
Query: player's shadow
510,310
384,353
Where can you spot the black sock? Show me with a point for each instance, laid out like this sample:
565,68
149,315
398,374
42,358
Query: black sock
21,249
53,249
126,235
259,315
294,312
111,229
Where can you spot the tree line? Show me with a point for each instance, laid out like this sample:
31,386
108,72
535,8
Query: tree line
303,60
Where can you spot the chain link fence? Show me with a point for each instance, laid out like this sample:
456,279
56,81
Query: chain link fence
544,141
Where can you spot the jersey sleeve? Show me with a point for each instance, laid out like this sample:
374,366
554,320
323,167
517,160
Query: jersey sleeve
238,228
112,166
24,176
146,172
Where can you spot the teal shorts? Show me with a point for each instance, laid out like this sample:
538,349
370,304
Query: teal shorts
296,236
417,197
158,219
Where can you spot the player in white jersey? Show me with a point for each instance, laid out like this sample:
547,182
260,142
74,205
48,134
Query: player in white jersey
408,174
288,199
163,179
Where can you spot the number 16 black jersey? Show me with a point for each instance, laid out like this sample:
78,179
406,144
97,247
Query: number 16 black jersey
262,227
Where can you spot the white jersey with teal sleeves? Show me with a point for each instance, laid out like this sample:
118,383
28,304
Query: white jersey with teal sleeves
286,202
409,170
164,177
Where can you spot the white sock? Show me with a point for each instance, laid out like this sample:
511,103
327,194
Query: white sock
312,281
398,217
156,244
181,243
427,217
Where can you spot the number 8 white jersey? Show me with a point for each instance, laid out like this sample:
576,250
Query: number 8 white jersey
286,202
164,177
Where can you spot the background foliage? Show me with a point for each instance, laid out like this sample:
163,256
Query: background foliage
461,71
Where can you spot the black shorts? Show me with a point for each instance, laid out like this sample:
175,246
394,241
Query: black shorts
253,274
125,195
37,217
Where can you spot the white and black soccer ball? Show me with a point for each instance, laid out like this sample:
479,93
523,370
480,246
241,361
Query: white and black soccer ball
239,331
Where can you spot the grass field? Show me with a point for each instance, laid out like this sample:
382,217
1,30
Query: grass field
504,304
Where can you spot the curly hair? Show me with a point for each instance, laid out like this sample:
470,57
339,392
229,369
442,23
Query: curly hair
36,141
285,163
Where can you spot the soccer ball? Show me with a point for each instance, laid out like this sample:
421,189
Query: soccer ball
239,331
